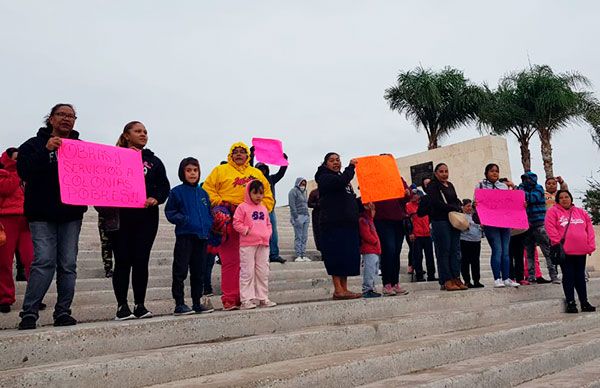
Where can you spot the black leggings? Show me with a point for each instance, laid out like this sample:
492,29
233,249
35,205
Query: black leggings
133,243
516,252
573,271
470,252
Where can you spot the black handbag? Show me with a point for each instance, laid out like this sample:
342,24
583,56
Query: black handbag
557,252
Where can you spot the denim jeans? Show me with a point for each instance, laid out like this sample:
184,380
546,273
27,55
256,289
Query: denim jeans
391,235
370,267
55,250
446,240
499,240
301,234
536,235
274,240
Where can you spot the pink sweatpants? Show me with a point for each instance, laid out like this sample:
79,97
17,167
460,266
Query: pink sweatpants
18,238
538,271
229,252
254,273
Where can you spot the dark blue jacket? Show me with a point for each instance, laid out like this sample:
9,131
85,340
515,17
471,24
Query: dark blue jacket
188,207
534,196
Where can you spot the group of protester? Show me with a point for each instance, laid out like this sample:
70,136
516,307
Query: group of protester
231,214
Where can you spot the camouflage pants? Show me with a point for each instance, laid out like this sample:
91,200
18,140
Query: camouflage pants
106,246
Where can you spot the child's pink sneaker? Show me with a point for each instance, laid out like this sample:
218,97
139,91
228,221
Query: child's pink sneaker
247,306
399,290
388,290
267,303
524,282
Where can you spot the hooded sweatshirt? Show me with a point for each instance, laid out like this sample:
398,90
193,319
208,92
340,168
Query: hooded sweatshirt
534,196
252,222
298,200
227,182
369,240
580,238
38,168
11,192
188,207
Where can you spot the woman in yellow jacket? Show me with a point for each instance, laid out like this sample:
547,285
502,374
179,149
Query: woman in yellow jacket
226,186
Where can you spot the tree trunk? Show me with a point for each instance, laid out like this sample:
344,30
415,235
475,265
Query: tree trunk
432,135
525,154
546,147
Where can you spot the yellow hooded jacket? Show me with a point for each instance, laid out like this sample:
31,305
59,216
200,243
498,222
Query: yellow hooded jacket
227,182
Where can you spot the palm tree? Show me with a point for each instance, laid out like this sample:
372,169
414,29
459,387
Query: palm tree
502,113
553,101
438,101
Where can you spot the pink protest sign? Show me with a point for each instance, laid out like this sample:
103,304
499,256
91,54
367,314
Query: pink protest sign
269,151
501,208
100,175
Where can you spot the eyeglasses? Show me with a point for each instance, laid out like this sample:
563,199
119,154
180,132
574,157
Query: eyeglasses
64,115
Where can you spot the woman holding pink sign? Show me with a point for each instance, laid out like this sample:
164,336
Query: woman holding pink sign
498,238
138,227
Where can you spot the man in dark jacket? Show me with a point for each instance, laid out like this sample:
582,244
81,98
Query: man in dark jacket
273,179
536,234
54,226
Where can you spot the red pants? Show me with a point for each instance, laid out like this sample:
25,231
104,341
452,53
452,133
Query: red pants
538,271
229,252
18,238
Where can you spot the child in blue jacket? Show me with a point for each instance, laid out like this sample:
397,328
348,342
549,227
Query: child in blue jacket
188,207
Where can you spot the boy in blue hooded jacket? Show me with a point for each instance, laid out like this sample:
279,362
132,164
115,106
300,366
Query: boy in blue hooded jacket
536,234
188,207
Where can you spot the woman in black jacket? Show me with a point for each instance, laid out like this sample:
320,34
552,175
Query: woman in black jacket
137,227
338,221
446,238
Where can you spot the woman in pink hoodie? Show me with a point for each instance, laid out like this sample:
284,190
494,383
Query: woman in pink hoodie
578,242
251,221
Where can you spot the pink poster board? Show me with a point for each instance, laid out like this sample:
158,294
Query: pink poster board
100,175
501,208
269,151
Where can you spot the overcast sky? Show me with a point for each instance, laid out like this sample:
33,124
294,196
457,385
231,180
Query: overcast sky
204,74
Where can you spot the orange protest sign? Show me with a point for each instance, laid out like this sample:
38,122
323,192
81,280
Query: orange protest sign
379,178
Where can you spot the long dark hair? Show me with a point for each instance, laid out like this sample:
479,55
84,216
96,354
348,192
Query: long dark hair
122,142
559,192
53,111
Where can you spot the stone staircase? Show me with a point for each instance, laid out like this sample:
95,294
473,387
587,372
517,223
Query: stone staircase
473,338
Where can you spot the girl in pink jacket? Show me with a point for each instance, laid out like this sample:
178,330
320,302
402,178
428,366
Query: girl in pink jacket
579,242
251,221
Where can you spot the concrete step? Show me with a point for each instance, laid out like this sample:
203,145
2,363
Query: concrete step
506,368
370,363
25,348
208,358
584,375
95,255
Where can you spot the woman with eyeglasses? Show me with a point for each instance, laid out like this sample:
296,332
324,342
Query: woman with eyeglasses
226,187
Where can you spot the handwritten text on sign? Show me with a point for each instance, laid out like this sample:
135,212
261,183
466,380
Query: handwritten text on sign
501,208
379,178
100,175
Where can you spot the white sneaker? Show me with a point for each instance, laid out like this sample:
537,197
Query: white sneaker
306,259
498,283
299,259
510,283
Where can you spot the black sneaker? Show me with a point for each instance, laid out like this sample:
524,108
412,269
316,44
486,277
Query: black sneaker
541,280
202,309
571,308
470,285
478,285
587,307
64,320
141,312
182,309
277,259
371,294
4,308
28,322
123,313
